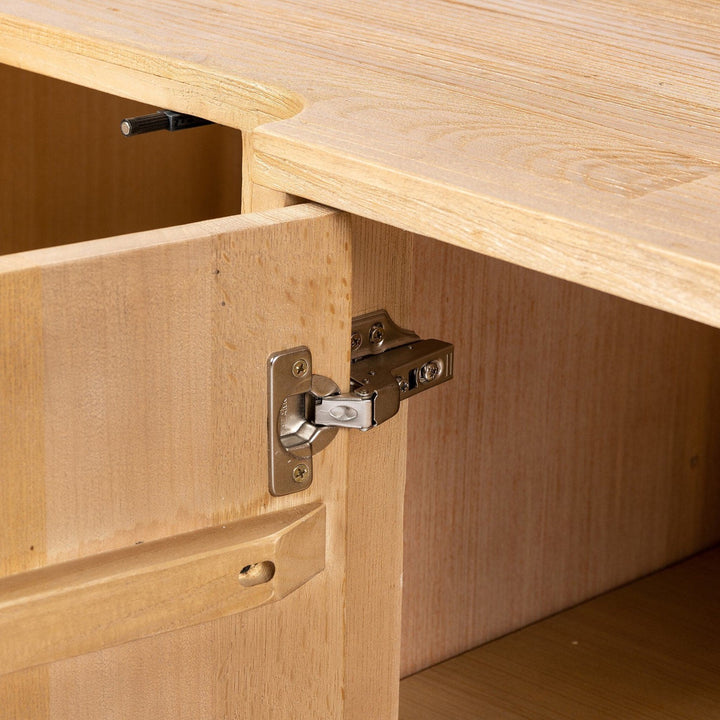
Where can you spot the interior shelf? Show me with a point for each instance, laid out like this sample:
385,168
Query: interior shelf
650,649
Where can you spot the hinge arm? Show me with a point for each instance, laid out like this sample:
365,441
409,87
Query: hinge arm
381,381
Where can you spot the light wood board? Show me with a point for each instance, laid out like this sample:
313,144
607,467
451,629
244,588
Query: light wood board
574,138
648,650
376,485
576,449
376,481
79,606
136,369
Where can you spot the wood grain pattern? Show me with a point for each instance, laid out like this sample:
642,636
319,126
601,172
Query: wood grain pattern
376,482
575,449
68,175
647,650
84,605
255,197
376,486
24,696
154,350
22,492
573,138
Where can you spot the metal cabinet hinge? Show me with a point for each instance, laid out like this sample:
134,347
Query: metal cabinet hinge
305,411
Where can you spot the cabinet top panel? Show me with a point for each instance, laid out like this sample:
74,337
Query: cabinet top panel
575,137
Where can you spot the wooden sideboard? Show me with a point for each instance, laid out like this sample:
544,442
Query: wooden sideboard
535,182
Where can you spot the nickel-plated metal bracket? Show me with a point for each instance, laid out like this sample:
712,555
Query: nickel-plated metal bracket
388,364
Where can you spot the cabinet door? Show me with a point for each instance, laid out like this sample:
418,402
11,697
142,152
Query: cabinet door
133,408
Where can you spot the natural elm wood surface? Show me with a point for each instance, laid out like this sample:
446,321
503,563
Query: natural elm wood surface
136,369
577,448
108,599
578,138
648,650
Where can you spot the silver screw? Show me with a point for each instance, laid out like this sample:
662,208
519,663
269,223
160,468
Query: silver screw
403,384
300,473
377,334
355,341
430,371
300,367
363,392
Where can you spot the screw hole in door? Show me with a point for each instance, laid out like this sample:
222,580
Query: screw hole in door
257,574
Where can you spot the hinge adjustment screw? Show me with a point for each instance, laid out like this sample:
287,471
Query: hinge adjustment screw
355,341
430,371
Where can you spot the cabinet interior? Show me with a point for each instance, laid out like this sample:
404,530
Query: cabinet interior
67,174
575,450
649,649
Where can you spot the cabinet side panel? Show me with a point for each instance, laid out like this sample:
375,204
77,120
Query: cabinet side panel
382,277
256,198
575,450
